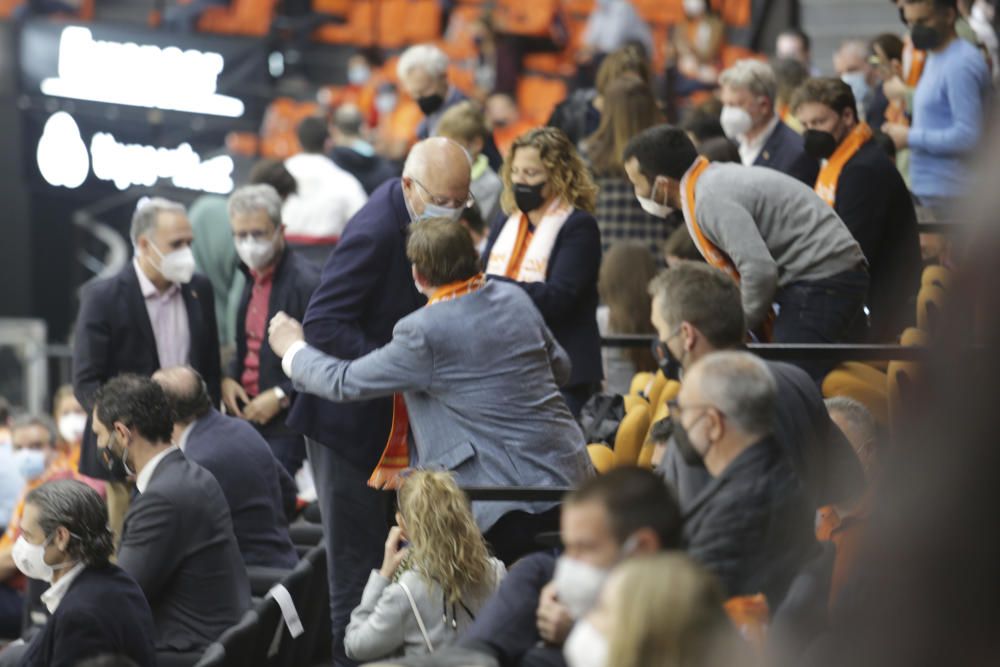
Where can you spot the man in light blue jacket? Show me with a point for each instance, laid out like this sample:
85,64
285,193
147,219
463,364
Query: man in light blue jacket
480,373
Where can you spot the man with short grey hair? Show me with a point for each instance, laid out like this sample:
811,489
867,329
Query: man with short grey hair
751,525
750,118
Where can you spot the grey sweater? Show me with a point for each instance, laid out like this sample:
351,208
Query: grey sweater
776,231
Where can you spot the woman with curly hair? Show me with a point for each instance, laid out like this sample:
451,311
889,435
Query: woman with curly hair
551,246
436,574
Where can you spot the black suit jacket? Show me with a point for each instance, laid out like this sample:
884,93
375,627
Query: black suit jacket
784,150
103,612
875,204
244,466
178,544
295,280
568,297
114,336
366,287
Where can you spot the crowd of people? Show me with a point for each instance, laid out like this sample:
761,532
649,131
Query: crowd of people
369,330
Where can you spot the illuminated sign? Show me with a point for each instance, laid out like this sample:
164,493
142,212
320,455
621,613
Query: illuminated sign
64,161
139,75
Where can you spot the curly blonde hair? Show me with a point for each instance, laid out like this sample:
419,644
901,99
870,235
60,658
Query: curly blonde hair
568,177
446,546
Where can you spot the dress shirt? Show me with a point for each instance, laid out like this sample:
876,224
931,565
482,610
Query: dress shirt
169,319
142,479
183,440
52,597
286,361
750,150
256,328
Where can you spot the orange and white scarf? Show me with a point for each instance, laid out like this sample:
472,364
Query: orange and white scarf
522,254
829,175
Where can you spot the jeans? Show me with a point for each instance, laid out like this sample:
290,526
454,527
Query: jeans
355,525
820,311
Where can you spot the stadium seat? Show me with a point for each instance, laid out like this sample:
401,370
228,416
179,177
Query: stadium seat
537,96
902,375
528,19
86,12
236,646
314,646
601,456
659,382
734,13
659,13
632,401
639,383
242,17
930,307
631,436
937,276
864,384
750,615
281,121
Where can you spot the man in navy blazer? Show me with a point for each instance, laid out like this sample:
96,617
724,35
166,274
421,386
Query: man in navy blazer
366,287
748,94
241,462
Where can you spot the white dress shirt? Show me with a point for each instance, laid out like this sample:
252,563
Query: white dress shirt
142,479
52,597
169,319
326,198
750,150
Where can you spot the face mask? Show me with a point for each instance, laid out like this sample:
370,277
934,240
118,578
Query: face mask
30,560
925,37
653,207
668,363
177,266
528,197
71,426
683,443
30,463
385,103
255,253
358,75
578,584
819,144
116,465
859,86
694,8
430,103
585,646
736,122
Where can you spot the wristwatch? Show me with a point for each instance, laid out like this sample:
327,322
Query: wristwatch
283,399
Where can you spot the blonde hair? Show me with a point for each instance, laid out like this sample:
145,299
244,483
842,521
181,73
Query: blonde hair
568,178
445,544
669,613
463,122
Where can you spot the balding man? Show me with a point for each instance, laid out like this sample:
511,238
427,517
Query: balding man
750,526
367,287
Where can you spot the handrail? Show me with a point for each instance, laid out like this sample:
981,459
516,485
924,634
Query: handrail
800,351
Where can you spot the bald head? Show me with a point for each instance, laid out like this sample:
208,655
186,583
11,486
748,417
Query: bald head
437,171
186,391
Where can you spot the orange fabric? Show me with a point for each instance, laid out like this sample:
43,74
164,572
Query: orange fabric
524,234
281,121
846,534
504,137
750,614
917,60
537,96
829,175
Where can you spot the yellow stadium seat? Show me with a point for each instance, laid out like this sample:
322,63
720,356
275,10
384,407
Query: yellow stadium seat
930,307
646,455
631,436
659,382
601,457
864,384
936,275
639,383
633,401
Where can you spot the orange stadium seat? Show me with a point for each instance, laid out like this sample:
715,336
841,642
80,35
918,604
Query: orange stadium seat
281,121
458,39
86,12
734,13
242,17
530,19
659,13
537,96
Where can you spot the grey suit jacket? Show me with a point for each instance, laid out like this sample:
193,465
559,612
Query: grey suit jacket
480,375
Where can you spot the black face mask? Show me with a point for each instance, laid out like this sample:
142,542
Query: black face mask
114,464
668,363
430,103
528,197
819,144
925,37
684,447
902,17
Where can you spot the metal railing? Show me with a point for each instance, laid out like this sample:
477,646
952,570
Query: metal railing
800,352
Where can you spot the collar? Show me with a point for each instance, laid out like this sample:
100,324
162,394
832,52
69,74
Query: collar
144,476
458,288
185,434
479,166
52,597
266,276
362,147
758,142
146,285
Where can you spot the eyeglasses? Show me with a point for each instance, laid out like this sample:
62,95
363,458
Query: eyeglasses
256,235
445,201
676,409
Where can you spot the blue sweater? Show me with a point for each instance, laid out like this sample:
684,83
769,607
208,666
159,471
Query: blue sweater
947,119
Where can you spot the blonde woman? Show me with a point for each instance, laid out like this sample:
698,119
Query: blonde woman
660,611
551,246
435,575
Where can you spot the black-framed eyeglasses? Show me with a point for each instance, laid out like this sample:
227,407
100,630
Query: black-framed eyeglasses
445,201
676,409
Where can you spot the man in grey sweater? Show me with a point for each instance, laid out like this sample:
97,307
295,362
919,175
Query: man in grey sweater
771,233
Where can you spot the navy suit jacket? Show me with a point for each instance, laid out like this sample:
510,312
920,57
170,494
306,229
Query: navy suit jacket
568,297
178,545
244,466
114,336
784,150
103,612
366,287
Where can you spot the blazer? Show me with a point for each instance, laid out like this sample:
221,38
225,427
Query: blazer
365,288
295,280
245,468
568,297
785,151
480,375
114,336
103,612
875,204
178,544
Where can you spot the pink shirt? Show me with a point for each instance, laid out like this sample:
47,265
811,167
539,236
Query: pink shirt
169,319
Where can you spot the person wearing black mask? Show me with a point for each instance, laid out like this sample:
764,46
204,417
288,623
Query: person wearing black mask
868,193
550,245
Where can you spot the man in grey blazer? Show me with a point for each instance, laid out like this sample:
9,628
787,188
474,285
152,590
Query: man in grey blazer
480,373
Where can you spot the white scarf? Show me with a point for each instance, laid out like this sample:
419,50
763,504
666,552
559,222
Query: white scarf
536,258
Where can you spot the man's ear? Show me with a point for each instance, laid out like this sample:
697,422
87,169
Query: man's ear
646,541
689,335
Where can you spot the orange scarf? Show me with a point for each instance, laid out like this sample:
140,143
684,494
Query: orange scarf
829,175
524,236
914,69
396,455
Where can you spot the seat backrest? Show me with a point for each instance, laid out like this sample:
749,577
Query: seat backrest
937,275
279,138
750,615
930,307
537,96
528,19
314,646
238,642
299,584
214,656
242,17
631,436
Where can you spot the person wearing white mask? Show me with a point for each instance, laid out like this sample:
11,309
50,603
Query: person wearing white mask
749,117
65,541
154,313
71,421
278,279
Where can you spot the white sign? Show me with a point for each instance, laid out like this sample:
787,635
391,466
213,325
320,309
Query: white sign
64,161
139,75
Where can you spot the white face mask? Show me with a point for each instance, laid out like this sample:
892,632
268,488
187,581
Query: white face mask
71,426
694,8
30,560
177,266
653,207
578,584
585,646
255,253
736,122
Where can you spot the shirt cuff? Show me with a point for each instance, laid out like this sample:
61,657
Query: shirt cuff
286,361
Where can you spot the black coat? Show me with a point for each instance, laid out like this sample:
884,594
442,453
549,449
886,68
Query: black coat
114,336
875,204
568,297
178,544
371,170
785,151
103,612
